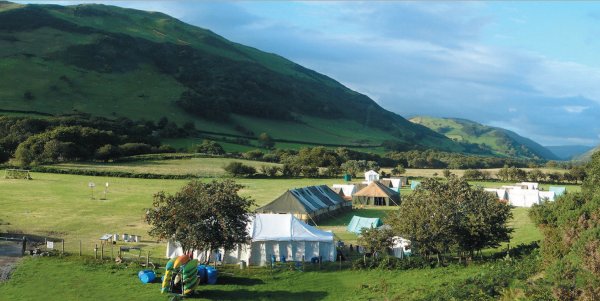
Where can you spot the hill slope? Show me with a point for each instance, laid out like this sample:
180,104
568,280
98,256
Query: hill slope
115,62
500,141
567,152
587,156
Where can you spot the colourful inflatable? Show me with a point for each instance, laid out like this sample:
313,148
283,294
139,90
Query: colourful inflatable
181,276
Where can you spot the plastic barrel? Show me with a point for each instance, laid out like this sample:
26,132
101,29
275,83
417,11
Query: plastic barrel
282,258
202,274
211,273
146,276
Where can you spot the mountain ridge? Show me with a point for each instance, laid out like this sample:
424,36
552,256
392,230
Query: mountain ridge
112,62
498,140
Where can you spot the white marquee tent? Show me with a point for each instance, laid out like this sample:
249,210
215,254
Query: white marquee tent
279,235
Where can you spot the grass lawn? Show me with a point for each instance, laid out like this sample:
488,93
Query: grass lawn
60,206
76,279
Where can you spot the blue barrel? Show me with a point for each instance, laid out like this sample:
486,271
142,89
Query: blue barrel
282,258
219,257
314,260
202,274
273,258
211,273
146,276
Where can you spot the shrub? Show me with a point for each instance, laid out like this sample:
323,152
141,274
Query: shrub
210,147
107,152
131,149
237,169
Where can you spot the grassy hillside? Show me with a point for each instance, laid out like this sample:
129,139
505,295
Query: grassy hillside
115,62
587,156
568,152
500,141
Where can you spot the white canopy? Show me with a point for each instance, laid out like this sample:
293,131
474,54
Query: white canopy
347,189
279,235
285,227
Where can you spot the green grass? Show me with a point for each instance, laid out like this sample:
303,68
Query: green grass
211,167
75,279
60,205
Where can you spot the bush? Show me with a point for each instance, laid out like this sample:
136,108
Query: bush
390,263
237,169
210,147
131,149
107,152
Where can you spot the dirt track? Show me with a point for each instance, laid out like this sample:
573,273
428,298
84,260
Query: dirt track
10,253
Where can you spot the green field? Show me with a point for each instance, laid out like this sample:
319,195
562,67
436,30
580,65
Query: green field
202,167
74,279
60,206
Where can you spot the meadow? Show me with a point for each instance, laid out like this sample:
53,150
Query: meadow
61,206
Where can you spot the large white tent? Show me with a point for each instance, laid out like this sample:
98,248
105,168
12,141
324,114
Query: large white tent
279,235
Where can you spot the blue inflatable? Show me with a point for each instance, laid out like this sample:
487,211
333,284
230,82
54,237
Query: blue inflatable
211,273
202,274
146,276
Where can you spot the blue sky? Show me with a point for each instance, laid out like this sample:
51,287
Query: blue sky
531,67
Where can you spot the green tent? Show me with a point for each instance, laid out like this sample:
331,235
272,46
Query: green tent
359,222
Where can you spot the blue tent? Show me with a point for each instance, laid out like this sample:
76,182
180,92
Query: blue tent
414,184
357,223
558,190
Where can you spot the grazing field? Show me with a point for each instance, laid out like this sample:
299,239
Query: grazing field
203,167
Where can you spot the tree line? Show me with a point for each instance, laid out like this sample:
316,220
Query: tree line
34,141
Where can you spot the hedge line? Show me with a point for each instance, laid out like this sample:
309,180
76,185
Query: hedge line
118,174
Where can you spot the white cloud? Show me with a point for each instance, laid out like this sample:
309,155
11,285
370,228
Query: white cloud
575,109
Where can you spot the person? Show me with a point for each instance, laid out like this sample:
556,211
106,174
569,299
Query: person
351,247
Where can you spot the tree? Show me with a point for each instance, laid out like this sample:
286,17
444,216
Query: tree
441,215
447,173
107,152
398,170
270,171
376,239
536,175
504,173
237,169
201,216
266,141
210,147
472,174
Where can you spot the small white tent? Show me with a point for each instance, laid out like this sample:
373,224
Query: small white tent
371,176
530,185
279,235
347,189
401,247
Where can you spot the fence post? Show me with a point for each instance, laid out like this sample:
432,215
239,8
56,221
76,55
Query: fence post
340,262
112,252
101,251
147,259
96,252
63,248
24,245
80,248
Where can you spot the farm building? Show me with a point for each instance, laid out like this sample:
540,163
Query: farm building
308,203
376,194
280,235
357,223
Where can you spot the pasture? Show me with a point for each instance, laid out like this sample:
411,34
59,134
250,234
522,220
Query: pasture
200,167
58,205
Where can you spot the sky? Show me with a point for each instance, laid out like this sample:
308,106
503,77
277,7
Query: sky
532,67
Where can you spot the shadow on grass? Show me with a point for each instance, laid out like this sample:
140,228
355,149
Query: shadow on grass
257,295
241,281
